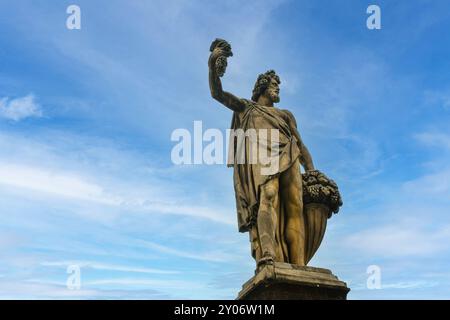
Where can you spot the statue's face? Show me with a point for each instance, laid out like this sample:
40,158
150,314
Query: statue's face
273,91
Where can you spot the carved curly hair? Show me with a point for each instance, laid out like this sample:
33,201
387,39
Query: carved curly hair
263,82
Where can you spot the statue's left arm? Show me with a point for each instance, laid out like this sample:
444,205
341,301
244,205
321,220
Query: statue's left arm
305,157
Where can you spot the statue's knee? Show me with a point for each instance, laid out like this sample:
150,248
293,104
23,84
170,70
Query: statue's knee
270,192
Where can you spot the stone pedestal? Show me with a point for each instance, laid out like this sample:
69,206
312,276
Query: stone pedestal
283,281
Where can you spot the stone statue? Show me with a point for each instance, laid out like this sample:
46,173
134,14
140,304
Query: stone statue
284,211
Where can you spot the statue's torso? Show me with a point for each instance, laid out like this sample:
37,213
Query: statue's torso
264,117
248,176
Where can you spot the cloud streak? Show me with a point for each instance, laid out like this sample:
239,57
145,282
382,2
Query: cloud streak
107,267
212,257
54,183
400,240
19,108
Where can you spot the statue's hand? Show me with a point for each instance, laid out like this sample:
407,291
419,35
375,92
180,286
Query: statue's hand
215,54
220,51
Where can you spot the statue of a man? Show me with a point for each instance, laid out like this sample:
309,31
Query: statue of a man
269,206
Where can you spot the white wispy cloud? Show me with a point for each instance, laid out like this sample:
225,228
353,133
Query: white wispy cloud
436,182
153,283
63,178
439,97
434,139
431,184
409,285
400,285
35,290
104,266
400,239
69,185
19,108
213,256
43,289
45,170
53,182
191,210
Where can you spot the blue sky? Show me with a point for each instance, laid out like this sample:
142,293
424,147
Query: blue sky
86,118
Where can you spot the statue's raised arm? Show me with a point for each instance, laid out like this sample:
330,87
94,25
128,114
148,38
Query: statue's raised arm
220,51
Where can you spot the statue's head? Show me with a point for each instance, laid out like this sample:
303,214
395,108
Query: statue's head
267,84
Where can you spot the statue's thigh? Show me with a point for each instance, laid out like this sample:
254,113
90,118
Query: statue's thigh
269,193
291,185
269,203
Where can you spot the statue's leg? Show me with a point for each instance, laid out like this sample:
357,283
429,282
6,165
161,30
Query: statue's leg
265,221
254,242
292,200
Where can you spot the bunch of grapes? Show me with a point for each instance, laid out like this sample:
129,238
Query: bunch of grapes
221,62
221,65
318,188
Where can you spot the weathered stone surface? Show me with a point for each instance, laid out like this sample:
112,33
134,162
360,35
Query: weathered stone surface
286,217
283,281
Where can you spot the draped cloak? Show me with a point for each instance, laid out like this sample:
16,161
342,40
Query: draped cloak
248,176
